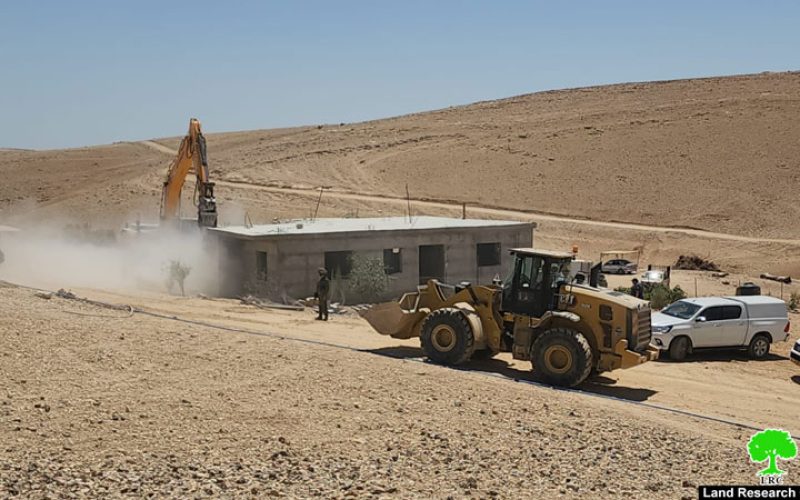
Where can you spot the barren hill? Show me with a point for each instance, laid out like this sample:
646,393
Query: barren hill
720,154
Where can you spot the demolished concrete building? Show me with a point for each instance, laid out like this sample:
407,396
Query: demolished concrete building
282,259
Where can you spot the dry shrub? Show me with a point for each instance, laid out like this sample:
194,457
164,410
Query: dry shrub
178,273
695,263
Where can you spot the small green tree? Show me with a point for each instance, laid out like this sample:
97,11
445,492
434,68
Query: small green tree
659,297
676,293
771,444
178,273
368,279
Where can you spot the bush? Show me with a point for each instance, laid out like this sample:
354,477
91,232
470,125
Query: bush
794,301
695,263
368,280
178,273
660,296
677,293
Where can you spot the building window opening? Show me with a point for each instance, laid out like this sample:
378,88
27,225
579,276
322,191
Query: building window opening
339,264
261,266
488,254
393,260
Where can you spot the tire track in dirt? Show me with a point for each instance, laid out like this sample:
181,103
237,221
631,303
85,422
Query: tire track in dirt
160,147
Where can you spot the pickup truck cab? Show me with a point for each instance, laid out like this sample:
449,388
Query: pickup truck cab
750,322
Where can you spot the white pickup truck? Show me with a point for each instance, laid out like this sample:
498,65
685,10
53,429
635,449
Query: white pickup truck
751,322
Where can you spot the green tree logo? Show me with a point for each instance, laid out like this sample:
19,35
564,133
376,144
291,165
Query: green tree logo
771,444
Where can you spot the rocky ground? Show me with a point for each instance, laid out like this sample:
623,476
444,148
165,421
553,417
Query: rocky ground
96,402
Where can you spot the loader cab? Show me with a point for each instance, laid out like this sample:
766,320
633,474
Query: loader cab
533,285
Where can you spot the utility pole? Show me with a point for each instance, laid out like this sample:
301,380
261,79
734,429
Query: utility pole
408,199
319,200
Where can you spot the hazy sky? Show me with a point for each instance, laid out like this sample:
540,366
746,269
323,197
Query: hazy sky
78,72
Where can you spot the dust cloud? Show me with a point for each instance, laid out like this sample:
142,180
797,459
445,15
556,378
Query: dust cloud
75,256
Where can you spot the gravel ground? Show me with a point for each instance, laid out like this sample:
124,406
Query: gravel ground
95,402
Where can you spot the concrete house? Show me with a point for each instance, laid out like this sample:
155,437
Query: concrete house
283,259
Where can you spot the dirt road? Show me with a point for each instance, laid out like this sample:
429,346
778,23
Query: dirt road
725,385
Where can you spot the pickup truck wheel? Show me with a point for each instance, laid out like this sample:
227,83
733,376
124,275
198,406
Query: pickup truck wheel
562,357
759,346
447,337
678,349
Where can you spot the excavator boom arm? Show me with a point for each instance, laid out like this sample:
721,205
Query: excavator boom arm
192,155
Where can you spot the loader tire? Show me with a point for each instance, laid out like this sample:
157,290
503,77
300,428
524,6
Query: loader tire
562,357
447,337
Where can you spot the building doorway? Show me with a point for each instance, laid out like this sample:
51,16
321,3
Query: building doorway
431,263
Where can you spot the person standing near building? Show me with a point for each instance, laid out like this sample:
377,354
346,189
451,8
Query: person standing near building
322,293
636,289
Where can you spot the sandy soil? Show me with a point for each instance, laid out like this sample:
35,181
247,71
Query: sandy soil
98,403
717,384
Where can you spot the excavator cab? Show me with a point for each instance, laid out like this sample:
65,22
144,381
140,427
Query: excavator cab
533,286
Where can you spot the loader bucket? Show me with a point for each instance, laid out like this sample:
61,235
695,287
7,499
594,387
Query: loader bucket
392,320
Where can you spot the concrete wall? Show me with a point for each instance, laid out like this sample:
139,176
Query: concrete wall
293,260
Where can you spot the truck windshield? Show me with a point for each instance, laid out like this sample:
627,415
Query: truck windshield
681,309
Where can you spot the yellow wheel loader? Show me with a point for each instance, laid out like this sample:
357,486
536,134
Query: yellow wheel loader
566,330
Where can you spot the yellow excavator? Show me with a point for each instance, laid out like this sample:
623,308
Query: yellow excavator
192,156
567,330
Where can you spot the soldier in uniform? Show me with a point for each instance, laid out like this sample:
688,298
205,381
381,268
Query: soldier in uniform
637,290
322,293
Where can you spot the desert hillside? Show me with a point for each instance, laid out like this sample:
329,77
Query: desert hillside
720,154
